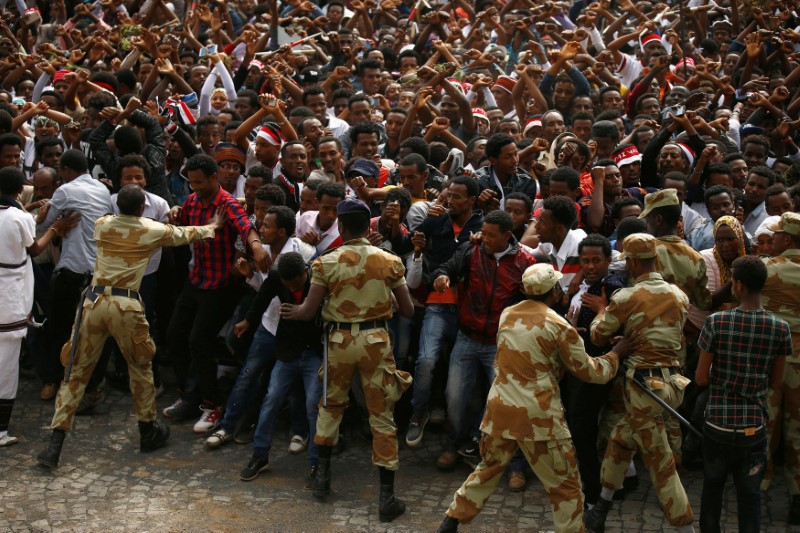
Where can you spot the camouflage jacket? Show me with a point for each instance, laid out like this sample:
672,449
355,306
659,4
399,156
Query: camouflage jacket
359,278
534,347
683,266
655,309
124,244
781,294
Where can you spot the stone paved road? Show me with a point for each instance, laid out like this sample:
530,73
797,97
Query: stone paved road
105,484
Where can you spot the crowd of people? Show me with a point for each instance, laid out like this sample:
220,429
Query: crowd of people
549,225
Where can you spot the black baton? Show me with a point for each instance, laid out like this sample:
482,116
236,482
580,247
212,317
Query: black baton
669,409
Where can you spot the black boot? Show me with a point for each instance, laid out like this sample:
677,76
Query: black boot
322,477
794,510
49,457
152,436
449,525
595,518
389,507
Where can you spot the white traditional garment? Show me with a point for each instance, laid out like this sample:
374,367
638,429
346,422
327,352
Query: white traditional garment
17,233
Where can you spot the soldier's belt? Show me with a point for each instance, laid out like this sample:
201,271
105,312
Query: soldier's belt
115,291
747,431
369,324
655,371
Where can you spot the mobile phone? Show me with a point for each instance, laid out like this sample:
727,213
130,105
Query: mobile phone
675,110
741,95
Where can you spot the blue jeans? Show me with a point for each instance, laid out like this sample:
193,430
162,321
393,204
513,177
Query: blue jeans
259,357
439,327
745,458
284,375
466,360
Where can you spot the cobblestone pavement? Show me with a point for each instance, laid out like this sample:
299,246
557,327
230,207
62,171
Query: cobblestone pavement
105,484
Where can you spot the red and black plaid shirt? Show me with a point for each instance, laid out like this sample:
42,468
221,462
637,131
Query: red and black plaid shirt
744,344
213,258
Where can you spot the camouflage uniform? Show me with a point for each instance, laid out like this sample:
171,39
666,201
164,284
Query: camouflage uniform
684,267
360,278
657,310
534,347
781,296
124,244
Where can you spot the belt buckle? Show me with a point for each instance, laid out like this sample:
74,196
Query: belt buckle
749,432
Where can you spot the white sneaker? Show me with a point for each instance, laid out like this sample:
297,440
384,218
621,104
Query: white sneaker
209,421
219,438
8,440
298,444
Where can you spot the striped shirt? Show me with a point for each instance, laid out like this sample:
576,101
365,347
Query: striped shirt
566,259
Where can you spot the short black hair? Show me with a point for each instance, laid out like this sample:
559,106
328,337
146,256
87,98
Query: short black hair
313,90
501,219
775,190
202,162
764,172
716,190
74,160
596,240
605,129
496,143
371,64
134,160
271,193
567,175
332,189
127,140
719,168
417,145
400,195
208,120
621,203
524,198
260,171
366,127
284,218
291,265
46,143
130,199
470,183
331,139
629,226
9,139
12,181
287,144
414,159
751,271
562,209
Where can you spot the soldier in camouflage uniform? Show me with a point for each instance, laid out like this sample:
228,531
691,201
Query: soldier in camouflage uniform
684,267
534,347
112,307
657,310
359,281
782,296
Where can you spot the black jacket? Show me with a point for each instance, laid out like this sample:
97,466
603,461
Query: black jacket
293,336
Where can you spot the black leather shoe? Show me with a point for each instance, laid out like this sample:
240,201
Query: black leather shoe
389,507
595,518
794,510
322,478
152,436
449,525
49,457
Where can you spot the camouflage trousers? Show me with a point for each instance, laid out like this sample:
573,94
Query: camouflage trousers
554,463
642,429
784,416
368,352
109,316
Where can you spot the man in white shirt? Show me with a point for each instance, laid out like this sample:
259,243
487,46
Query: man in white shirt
319,228
558,242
